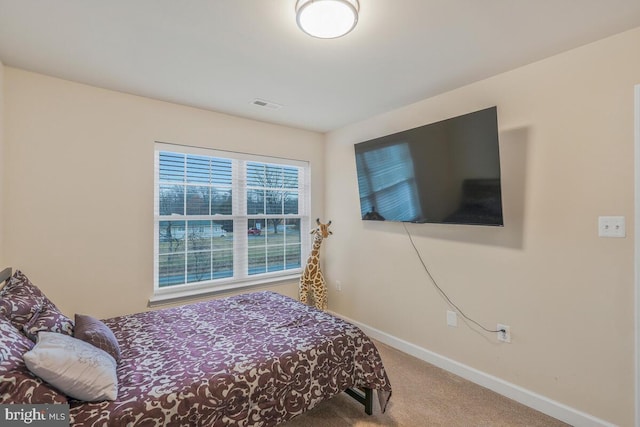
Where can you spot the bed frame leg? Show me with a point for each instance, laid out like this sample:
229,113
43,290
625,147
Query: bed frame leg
368,404
364,396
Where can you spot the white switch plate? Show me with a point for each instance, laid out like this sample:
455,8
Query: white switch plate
611,226
452,318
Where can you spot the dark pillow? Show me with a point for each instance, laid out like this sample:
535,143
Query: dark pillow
17,384
48,319
30,310
95,332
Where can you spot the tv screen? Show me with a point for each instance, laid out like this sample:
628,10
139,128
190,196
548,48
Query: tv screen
445,172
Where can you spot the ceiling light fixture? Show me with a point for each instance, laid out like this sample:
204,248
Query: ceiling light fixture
327,19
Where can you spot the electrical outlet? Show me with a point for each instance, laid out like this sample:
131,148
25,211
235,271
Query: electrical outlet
452,318
504,333
611,226
338,285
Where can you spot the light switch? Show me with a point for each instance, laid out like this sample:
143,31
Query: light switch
452,318
611,226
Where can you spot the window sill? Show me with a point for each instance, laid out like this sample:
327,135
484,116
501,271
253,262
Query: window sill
191,294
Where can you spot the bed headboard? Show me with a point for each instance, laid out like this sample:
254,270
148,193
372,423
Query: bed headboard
5,275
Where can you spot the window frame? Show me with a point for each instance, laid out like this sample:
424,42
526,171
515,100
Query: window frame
241,278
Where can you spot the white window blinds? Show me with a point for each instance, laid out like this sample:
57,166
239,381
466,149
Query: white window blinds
225,219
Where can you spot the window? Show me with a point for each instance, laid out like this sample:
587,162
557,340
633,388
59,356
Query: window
226,220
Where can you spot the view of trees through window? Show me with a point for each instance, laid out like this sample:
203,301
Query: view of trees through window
225,218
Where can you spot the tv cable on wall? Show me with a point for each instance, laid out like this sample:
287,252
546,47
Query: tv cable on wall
442,292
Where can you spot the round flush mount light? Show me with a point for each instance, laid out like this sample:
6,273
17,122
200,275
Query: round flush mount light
327,19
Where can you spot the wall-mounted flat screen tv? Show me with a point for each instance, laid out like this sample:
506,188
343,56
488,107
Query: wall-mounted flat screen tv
445,172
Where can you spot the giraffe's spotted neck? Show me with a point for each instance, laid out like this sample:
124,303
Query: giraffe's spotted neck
317,240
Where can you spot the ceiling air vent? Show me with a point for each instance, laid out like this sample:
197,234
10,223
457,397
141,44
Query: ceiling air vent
266,104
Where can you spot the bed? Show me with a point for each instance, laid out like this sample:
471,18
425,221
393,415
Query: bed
256,359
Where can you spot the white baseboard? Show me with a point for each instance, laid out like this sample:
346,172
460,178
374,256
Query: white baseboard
533,400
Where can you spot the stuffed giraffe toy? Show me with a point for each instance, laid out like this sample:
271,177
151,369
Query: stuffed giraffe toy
312,278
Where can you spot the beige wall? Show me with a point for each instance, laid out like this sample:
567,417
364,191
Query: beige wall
566,139
2,168
79,167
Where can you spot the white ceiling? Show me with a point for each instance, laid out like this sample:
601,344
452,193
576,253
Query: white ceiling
222,54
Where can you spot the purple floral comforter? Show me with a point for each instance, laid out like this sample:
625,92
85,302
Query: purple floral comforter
251,360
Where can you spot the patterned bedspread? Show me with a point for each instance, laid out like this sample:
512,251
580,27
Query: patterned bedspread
252,360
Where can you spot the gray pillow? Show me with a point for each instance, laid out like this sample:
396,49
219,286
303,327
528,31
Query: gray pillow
74,367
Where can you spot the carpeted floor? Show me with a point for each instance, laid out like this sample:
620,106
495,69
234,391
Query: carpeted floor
424,395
